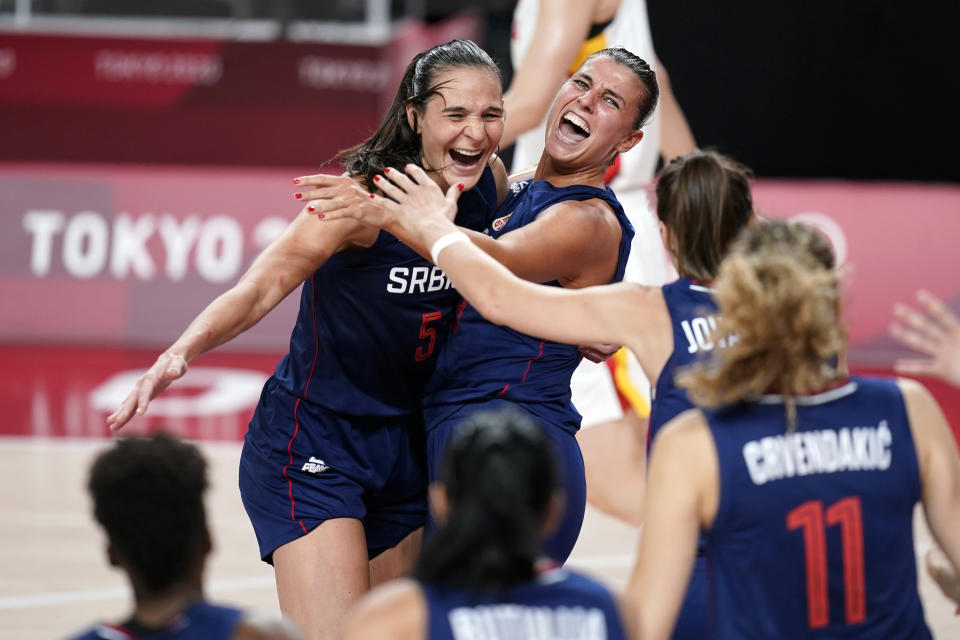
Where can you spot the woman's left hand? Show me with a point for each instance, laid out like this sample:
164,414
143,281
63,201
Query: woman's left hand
336,197
415,199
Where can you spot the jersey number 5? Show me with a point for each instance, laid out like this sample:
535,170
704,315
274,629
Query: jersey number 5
427,333
811,517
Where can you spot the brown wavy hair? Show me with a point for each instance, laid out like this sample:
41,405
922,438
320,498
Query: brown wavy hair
778,295
704,199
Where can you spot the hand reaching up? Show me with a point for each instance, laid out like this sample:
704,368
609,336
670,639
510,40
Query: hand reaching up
935,333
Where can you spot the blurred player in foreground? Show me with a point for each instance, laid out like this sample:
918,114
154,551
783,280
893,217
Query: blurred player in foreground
482,574
148,497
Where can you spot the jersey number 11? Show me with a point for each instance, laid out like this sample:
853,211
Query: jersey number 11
813,519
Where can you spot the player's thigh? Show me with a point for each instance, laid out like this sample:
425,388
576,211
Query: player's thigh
321,575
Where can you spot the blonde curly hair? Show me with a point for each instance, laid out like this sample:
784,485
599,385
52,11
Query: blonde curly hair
778,295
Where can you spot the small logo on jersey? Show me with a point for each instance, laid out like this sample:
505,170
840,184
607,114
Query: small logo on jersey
500,223
517,187
315,465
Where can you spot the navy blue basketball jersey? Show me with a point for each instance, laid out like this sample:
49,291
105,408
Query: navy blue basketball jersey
372,322
482,361
813,535
201,621
558,604
692,314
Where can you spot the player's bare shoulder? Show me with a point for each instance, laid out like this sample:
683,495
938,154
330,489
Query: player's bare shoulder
396,609
593,217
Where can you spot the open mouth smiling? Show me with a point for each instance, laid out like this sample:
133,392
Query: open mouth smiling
465,157
574,127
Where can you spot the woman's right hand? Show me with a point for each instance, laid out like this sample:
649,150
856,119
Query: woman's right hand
168,367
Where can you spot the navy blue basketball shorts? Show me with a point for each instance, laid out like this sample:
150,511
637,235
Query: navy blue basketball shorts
570,472
302,465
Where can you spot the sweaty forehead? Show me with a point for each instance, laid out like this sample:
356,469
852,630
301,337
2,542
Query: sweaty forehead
468,80
606,71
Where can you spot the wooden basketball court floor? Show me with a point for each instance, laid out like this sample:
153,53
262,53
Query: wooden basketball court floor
55,579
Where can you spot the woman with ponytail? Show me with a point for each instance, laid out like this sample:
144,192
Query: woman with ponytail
332,473
481,574
804,481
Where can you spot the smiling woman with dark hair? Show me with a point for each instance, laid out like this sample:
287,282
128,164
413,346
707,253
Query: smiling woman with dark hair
332,473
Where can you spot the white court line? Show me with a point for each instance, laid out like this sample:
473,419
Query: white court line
116,593
623,560
57,443
602,562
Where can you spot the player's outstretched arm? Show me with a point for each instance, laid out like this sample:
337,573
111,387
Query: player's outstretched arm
601,314
935,333
299,251
939,465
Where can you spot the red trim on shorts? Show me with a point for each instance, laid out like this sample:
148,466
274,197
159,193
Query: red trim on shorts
296,420
525,373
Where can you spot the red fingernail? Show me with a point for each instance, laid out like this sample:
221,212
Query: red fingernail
376,178
296,181
320,215
387,170
310,209
460,187
298,195
371,196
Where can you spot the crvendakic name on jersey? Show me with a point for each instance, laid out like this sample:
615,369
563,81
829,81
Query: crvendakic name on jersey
417,280
823,451
533,623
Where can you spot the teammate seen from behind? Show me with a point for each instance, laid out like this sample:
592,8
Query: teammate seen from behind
481,574
148,497
803,481
332,473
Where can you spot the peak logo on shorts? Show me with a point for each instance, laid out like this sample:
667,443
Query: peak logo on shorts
314,465
500,223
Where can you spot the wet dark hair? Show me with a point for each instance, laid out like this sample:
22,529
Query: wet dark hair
704,199
395,143
647,76
499,476
148,496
